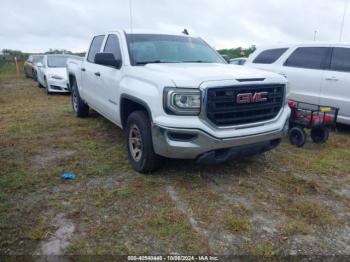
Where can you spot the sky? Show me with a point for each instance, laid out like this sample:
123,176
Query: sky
37,25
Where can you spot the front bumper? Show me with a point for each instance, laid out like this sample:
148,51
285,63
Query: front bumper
192,143
59,86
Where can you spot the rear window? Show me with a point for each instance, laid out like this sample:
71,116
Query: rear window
341,59
269,56
309,57
95,47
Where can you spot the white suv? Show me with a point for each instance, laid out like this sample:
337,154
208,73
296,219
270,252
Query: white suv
317,73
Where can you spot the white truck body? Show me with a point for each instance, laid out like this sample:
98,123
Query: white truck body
108,89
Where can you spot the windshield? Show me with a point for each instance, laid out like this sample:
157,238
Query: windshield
146,48
37,59
57,61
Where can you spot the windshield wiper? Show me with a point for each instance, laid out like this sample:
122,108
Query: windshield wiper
196,61
155,62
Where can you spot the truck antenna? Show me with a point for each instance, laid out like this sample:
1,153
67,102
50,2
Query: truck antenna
185,32
343,21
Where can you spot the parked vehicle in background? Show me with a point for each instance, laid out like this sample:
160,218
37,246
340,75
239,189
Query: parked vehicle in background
226,57
176,97
52,73
30,68
318,73
238,61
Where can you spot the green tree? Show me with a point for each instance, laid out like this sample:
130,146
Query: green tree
237,52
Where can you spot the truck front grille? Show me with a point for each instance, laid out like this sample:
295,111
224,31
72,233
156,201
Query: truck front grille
222,108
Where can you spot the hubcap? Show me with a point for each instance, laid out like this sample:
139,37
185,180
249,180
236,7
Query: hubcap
75,101
135,143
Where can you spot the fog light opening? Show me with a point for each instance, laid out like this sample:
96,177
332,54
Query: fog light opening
185,137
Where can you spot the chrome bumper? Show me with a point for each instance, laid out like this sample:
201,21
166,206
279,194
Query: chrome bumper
202,142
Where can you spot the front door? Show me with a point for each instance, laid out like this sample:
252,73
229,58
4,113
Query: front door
304,70
336,83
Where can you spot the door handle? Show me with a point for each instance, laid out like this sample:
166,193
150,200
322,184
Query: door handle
83,69
97,74
333,78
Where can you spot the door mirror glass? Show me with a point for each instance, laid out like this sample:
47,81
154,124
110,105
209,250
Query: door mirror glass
107,59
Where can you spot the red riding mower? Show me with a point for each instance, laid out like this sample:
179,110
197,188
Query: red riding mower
320,119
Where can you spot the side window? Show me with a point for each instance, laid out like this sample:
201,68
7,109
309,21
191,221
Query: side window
309,57
113,46
269,56
95,47
341,59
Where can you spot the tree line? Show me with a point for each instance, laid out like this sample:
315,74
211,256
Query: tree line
237,52
8,55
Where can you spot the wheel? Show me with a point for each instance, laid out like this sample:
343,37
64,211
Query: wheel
47,88
297,136
80,108
35,78
139,143
319,135
39,84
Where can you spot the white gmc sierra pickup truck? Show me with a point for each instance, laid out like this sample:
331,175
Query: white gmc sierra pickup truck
176,97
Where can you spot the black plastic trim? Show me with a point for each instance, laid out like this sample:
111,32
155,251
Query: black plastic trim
136,100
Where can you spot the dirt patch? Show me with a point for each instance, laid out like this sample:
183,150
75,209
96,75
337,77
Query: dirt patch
182,207
50,157
60,240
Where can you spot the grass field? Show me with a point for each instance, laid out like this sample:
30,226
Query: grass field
288,201
8,70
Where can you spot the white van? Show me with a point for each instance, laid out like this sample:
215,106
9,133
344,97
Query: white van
318,73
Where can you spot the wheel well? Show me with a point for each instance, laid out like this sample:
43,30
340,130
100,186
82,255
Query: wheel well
129,105
71,79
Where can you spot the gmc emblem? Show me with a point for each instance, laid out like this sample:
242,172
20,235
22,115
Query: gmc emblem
248,98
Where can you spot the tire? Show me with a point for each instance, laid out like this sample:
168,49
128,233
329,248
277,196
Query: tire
47,88
297,136
35,78
39,84
319,135
139,139
80,108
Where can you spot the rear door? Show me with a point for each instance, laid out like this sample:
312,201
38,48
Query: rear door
336,83
90,75
304,70
109,82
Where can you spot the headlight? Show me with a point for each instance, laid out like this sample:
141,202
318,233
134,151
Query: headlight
182,101
56,77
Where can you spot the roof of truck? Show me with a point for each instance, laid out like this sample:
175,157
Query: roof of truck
151,32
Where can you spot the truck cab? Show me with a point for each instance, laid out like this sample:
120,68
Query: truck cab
176,97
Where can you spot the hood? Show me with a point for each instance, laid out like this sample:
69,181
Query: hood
58,71
194,74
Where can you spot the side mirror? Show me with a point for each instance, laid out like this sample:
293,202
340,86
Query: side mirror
227,58
107,59
39,64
